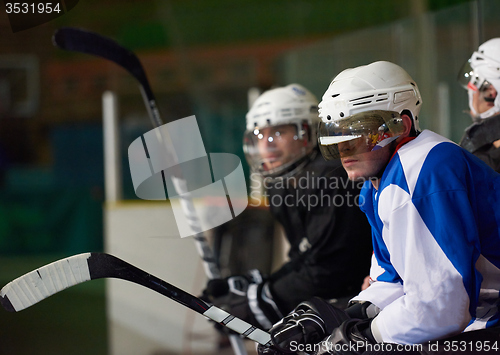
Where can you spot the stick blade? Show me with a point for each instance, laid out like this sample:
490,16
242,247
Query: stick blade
84,41
43,282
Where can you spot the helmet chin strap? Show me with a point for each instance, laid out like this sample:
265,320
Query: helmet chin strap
384,142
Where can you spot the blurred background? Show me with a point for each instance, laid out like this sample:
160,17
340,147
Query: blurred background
202,57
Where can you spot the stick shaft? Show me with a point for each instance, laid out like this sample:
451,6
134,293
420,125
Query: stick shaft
87,42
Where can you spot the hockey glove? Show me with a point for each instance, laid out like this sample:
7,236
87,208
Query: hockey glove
350,338
247,297
362,310
307,324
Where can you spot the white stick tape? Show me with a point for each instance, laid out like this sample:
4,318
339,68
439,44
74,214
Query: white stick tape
238,325
46,281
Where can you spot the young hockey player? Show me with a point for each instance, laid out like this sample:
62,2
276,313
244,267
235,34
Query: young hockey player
481,77
318,207
433,208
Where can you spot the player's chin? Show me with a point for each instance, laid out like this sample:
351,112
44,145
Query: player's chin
360,171
273,165
354,174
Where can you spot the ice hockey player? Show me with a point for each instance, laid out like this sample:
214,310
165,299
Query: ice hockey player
433,208
481,77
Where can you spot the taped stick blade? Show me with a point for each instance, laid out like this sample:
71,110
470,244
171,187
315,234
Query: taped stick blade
43,282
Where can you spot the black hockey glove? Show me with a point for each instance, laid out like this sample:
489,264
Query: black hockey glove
350,338
247,297
362,310
306,325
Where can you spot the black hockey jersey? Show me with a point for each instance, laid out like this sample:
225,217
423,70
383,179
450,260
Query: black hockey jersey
330,237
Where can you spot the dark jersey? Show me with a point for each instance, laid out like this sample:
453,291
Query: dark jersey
478,139
330,237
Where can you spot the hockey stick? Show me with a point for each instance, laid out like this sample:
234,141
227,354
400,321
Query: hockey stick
47,280
83,41
79,40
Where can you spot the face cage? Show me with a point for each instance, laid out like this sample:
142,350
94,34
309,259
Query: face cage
360,133
279,167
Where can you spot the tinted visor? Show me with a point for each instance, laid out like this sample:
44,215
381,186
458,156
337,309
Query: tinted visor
359,133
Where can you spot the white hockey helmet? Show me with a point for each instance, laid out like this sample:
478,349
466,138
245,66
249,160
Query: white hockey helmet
289,112
483,69
365,104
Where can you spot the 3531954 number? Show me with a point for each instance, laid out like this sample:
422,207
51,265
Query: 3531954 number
470,346
32,7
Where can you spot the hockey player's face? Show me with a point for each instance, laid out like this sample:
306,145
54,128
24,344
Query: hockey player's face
279,145
364,163
483,98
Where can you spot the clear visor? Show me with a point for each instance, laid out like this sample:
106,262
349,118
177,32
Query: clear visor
274,150
360,133
470,80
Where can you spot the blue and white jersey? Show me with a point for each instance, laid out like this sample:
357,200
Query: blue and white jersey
436,234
